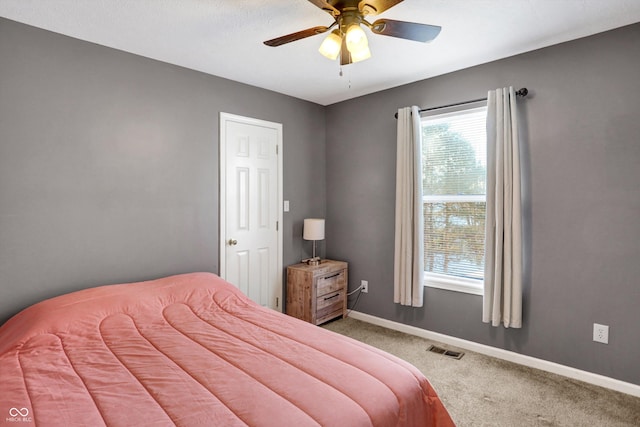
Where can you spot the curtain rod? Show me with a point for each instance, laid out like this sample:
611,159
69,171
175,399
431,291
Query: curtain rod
520,92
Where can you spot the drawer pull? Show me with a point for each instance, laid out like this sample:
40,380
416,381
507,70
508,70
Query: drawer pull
332,296
333,275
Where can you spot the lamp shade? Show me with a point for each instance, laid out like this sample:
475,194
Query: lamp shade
330,47
356,39
361,54
313,229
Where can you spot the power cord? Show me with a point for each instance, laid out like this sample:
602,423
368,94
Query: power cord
354,291
359,290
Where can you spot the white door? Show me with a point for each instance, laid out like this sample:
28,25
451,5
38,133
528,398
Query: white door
250,213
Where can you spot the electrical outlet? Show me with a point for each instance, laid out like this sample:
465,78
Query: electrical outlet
365,286
601,333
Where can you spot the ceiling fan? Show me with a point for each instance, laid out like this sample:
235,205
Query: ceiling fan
348,39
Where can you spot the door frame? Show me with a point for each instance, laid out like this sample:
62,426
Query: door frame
224,118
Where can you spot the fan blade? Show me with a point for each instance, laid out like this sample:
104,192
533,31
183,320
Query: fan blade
406,30
296,36
326,6
375,7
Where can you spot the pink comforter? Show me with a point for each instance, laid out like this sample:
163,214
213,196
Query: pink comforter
192,350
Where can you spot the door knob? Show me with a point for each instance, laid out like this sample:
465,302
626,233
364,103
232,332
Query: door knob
233,242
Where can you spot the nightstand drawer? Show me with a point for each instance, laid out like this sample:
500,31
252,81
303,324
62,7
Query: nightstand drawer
331,282
330,303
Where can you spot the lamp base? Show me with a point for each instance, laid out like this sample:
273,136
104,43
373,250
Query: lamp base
312,261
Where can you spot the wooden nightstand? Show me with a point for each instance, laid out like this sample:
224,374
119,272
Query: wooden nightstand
317,293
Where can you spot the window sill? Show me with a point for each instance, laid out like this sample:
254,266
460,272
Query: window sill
456,284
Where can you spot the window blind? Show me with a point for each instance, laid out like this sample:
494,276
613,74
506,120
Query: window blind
454,188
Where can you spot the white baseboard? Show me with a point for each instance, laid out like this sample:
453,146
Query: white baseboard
532,362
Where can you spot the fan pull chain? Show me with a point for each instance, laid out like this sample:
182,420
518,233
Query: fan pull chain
341,74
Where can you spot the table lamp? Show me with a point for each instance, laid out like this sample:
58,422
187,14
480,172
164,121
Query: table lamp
313,230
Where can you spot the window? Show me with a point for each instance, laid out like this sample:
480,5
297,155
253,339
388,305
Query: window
454,147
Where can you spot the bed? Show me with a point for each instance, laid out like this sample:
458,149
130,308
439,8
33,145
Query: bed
192,350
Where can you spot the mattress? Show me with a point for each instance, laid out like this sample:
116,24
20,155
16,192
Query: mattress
192,350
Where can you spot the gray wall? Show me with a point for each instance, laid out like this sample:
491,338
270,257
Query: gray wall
109,165
581,153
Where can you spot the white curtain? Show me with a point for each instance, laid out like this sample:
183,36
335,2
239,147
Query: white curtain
503,248
409,250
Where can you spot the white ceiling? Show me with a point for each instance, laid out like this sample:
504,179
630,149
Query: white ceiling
224,37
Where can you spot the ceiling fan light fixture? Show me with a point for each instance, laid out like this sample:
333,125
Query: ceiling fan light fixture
331,45
349,41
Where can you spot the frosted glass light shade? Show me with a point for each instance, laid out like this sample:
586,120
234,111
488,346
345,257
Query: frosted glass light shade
357,43
356,39
361,55
331,45
313,229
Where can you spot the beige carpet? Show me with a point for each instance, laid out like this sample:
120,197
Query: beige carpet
482,391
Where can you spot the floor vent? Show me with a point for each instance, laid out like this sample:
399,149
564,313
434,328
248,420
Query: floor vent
449,353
